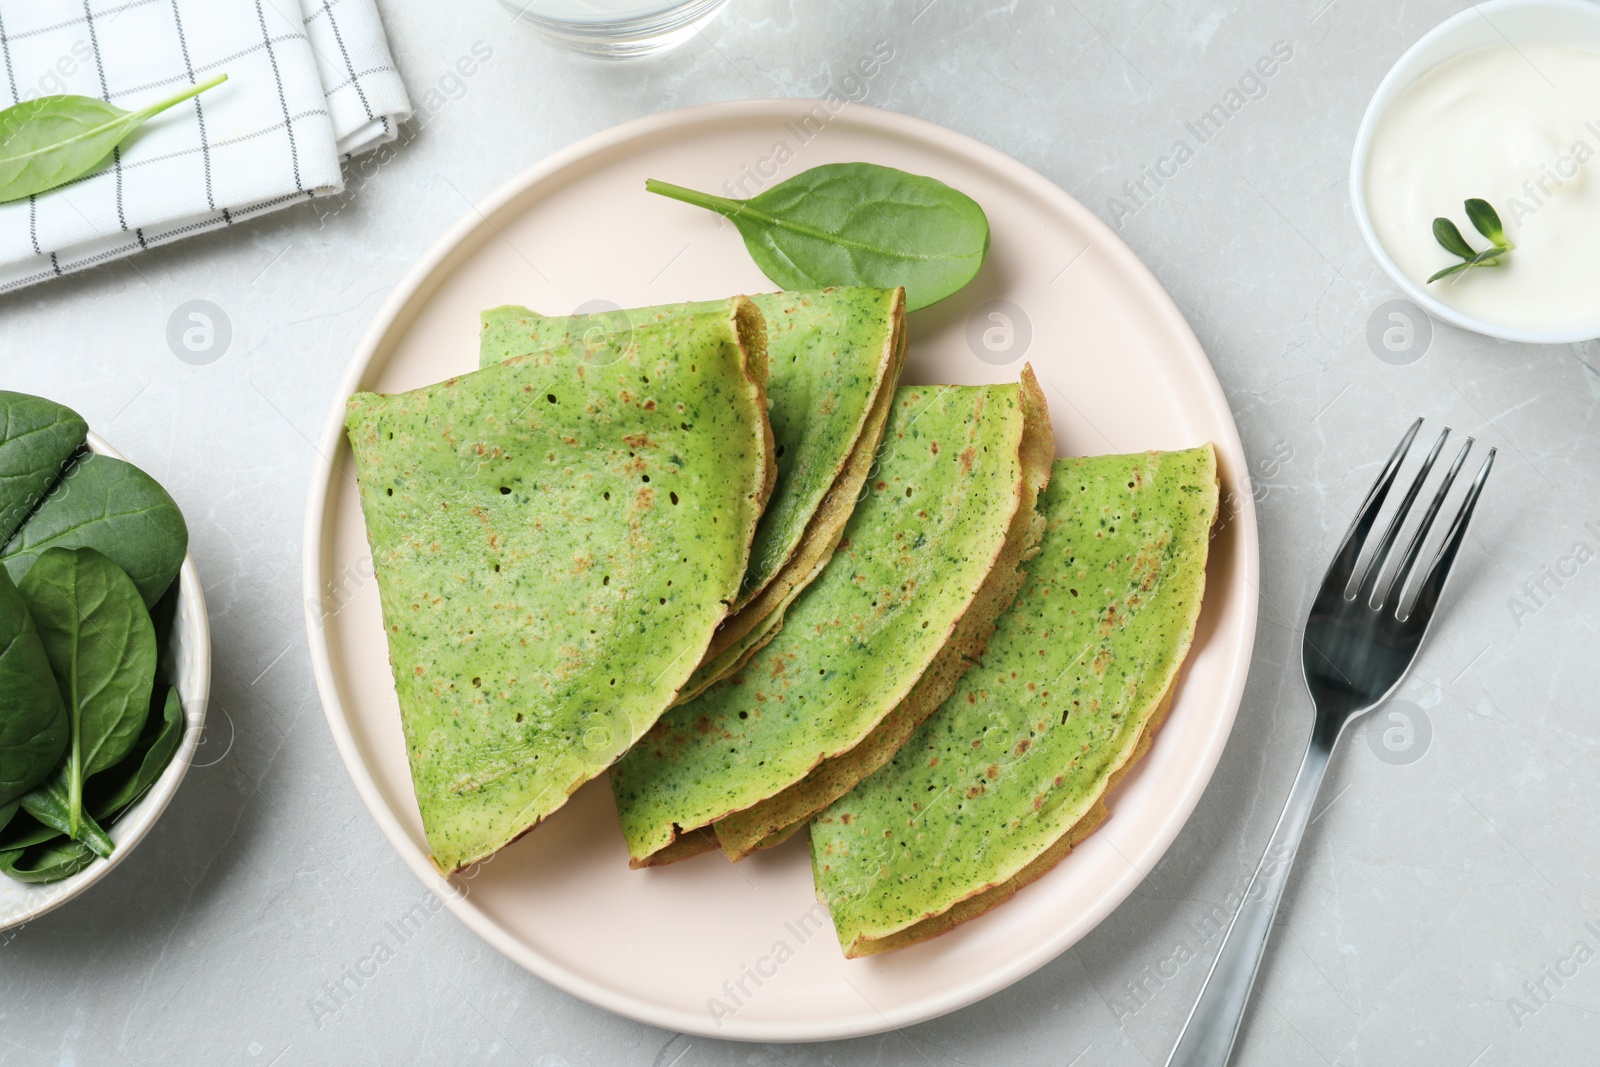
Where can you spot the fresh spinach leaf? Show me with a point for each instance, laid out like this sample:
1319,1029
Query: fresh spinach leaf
48,802
857,224
33,719
139,771
112,506
102,648
164,613
24,831
51,140
48,862
37,440
112,792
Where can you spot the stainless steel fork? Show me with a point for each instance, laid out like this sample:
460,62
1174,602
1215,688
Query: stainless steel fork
1359,642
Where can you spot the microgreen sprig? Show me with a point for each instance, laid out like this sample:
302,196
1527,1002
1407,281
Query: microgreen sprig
1487,222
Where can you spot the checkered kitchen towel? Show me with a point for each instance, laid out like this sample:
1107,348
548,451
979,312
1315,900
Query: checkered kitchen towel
310,82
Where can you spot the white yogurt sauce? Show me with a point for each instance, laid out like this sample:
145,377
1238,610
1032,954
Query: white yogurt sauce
1520,128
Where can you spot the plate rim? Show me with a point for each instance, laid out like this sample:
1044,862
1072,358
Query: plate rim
313,575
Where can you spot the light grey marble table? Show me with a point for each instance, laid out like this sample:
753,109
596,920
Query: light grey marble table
1447,901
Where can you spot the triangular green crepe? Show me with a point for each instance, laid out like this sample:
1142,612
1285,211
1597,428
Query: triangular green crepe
774,819
555,540
834,358
1012,770
953,472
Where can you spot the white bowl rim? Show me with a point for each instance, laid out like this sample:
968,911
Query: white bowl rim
1401,75
136,822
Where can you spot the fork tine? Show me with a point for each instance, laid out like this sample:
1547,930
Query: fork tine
1402,573
1368,585
1344,560
1433,584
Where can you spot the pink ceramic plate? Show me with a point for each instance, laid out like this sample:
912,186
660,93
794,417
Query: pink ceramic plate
743,951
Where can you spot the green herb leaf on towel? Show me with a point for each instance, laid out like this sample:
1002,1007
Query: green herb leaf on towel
52,140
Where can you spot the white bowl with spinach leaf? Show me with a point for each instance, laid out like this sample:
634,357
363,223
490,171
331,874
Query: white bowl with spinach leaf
105,656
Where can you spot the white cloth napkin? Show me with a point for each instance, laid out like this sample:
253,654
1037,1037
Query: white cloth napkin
310,82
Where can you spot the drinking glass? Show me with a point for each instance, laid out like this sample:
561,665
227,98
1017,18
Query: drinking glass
616,29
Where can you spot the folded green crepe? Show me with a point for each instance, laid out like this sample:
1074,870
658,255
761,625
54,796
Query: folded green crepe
952,474
773,820
834,357
556,538
1012,770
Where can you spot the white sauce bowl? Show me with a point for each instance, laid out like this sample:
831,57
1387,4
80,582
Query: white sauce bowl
1573,23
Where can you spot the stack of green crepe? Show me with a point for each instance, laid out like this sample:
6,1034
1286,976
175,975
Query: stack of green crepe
556,538
928,559
713,547
1012,770
834,356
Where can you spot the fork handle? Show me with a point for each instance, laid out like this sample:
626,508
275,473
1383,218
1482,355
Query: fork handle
1207,1037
